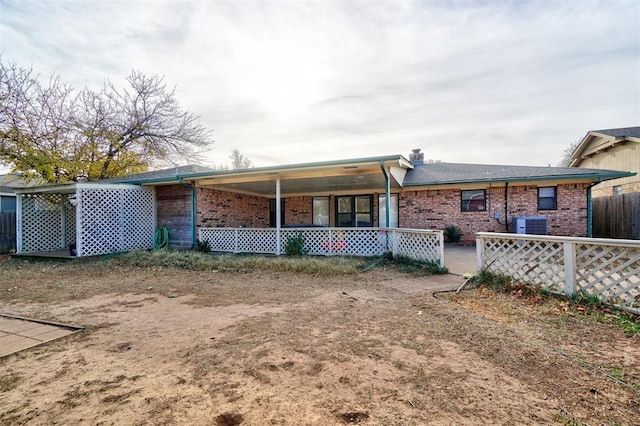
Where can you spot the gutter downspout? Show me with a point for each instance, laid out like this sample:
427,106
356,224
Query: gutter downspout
193,209
387,213
589,211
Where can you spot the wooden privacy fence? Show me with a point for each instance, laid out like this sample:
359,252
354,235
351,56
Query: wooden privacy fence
617,216
419,244
606,268
7,231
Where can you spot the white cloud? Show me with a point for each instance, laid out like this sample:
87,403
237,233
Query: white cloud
285,82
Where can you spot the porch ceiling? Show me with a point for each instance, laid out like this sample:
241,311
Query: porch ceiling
353,179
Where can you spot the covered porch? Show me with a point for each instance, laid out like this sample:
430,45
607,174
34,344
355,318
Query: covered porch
84,219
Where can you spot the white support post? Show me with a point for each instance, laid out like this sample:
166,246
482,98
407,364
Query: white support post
479,254
278,216
79,224
63,223
569,268
19,224
441,244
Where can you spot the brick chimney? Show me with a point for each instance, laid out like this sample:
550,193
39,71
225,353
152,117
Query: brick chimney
416,157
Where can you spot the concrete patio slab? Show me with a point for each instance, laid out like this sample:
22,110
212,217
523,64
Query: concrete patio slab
18,333
460,259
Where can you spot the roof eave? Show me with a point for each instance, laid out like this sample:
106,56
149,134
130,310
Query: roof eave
594,177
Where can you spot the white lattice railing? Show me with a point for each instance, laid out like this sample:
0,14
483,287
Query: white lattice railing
418,244
606,268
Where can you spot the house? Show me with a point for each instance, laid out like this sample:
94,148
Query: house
342,204
617,149
8,183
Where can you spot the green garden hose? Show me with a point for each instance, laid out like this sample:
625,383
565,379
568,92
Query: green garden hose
161,238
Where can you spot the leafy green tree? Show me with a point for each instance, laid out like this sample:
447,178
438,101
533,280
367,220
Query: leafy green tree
55,134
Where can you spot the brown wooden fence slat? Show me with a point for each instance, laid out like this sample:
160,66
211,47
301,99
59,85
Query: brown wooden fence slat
617,216
7,231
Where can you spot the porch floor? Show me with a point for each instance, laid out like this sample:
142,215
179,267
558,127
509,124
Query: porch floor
60,254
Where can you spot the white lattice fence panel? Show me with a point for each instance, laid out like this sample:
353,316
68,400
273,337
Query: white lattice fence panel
115,220
138,223
316,240
531,261
41,222
418,245
252,240
220,239
359,241
610,272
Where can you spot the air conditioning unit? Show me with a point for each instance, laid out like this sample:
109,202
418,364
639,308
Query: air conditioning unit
535,225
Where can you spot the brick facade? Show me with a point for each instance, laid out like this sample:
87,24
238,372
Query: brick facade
218,209
173,211
426,209
437,209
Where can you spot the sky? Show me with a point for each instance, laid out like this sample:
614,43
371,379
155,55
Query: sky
496,82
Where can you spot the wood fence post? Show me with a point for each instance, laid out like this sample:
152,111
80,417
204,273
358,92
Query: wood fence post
569,268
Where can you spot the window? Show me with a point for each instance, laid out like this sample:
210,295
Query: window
393,211
617,190
7,203
473,200
272,212
547,198
354,211
321,211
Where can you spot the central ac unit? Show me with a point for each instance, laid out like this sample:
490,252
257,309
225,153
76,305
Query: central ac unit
535,225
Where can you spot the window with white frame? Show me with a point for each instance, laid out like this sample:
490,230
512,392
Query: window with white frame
393,211
321,211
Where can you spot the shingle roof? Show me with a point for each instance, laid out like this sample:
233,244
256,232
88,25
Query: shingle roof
161,174
451,173
629,132
11,181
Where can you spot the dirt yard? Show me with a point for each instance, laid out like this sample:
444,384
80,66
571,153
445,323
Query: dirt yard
168,346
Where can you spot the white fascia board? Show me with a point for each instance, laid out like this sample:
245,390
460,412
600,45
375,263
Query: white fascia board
398,174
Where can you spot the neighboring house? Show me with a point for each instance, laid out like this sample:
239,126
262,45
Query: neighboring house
8,183
617,149
121,214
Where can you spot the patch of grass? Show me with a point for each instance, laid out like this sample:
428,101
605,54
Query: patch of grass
420,267
567,420
9,382
193,260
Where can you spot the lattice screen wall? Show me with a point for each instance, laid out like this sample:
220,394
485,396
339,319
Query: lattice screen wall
114,220
48,222
608,269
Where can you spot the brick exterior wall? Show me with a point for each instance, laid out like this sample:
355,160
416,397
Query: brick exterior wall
173,211
437,209
217,209
427,209
298,211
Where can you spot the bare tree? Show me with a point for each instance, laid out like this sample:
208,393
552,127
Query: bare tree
565,161
57,135
239,161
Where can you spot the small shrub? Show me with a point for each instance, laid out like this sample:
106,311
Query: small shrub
295,246
452,234
202,246
494,281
